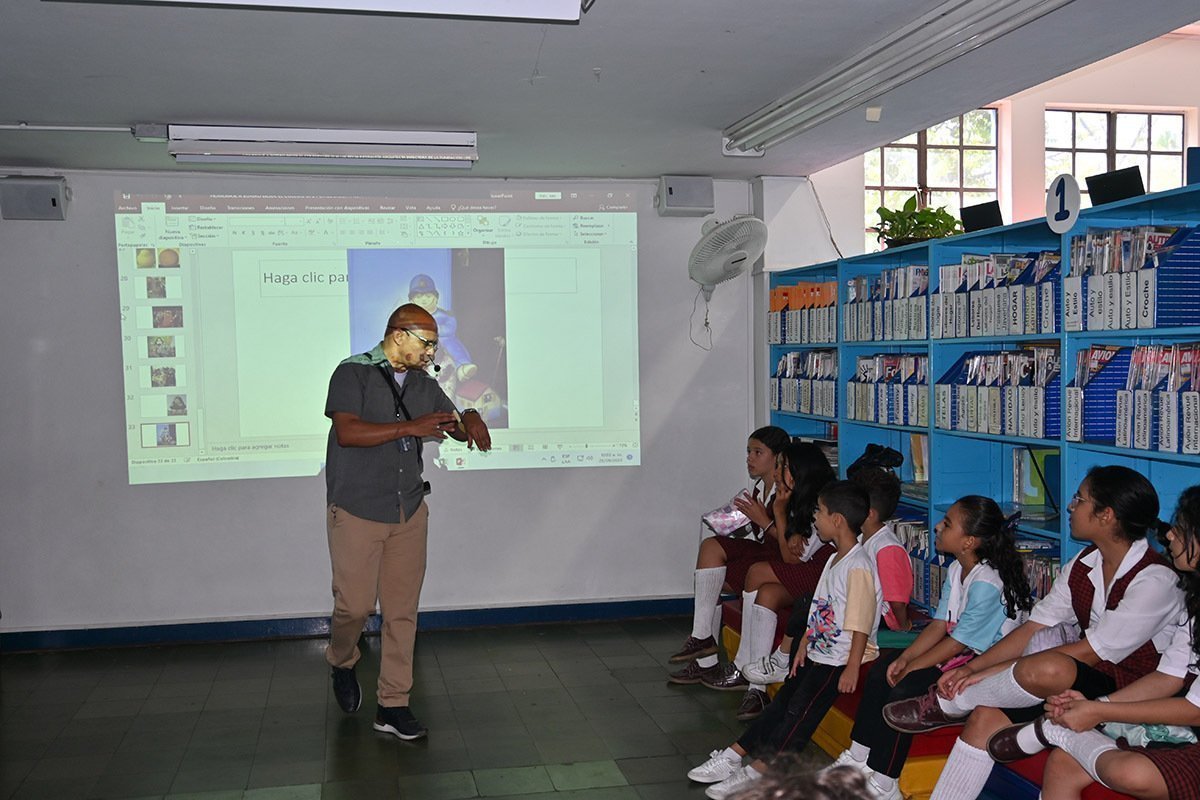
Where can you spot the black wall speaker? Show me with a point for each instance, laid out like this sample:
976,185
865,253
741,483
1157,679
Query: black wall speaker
25,197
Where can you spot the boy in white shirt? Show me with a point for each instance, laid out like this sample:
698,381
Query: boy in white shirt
893,570
842,623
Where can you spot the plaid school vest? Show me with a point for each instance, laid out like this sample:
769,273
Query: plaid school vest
1141,661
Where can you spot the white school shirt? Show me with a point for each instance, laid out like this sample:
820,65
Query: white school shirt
1151,604
847,599
1178,659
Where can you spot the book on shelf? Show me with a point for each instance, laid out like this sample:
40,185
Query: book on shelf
828,446
1033,544
1040,571
803,313
889,388
1145,397
919,457
806,383
997,294
891,306
1035,470
1001,393
1143,276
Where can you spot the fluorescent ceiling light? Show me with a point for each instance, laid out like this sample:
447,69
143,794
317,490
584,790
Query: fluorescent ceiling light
947,32
539,10
231,144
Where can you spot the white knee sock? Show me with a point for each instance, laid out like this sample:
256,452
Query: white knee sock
966,771
999,691
745,645
765,621
1086,747
708,592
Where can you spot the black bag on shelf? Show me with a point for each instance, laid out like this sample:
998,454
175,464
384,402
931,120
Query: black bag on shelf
876,455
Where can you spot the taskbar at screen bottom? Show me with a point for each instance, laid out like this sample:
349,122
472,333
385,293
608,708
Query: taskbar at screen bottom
187,469
594,455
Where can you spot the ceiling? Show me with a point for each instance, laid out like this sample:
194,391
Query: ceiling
637,89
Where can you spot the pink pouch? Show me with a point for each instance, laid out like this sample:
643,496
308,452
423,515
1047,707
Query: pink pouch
957,661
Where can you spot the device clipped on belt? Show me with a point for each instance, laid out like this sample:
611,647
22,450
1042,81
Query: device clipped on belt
426,488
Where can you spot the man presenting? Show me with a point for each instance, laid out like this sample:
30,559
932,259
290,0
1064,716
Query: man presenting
382,405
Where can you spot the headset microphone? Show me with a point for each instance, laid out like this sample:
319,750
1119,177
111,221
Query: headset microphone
437,368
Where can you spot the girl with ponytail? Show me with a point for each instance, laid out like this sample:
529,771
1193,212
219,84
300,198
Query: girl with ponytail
984,595
1112,611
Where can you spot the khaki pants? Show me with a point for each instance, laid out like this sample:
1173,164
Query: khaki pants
381,560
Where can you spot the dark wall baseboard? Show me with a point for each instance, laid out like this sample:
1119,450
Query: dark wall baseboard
312,627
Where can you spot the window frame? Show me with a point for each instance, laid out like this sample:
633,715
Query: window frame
1111,151
922,146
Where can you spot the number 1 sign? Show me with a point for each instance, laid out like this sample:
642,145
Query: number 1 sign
1062,203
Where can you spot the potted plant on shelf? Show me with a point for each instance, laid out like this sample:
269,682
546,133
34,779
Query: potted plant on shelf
910,224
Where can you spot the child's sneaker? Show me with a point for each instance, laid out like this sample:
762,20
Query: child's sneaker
767,670
884,794
716,769
847,760
740,779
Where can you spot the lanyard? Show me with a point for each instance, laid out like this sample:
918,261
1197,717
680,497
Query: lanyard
402,413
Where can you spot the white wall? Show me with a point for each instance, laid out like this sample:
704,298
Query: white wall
809,220
1156,75
79,547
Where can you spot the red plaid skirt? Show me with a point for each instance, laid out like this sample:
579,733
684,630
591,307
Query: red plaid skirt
1178,764
799,579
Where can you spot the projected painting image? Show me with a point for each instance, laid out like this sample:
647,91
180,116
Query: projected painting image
463,288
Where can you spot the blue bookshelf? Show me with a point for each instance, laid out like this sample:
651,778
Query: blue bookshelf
969,462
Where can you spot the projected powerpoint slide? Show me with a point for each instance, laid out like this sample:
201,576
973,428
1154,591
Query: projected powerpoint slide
236,309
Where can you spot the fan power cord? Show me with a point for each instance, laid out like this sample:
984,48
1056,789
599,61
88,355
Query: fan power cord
692,322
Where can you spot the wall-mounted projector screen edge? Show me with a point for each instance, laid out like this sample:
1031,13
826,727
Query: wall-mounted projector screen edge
236,308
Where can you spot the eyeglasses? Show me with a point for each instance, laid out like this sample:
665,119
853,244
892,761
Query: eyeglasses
431,346
1077,498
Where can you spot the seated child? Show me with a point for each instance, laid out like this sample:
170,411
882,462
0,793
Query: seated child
842,622
789,568
1169,696
723,560
1120,593
893,570
985,589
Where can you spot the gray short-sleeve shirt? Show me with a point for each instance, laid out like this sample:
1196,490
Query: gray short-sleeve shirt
381,483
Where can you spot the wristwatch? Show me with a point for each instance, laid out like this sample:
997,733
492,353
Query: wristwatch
469,411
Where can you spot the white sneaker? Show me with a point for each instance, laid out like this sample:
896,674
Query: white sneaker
884,794
847,760
740,779
766,671
716,769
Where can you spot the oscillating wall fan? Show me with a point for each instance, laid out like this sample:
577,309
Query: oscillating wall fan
726,249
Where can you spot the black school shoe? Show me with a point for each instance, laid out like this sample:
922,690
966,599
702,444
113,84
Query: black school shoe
346,689
400,722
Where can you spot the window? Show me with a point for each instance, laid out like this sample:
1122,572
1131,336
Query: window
1083,143
952,164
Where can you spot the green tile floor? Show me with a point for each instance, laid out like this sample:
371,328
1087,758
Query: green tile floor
577,711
